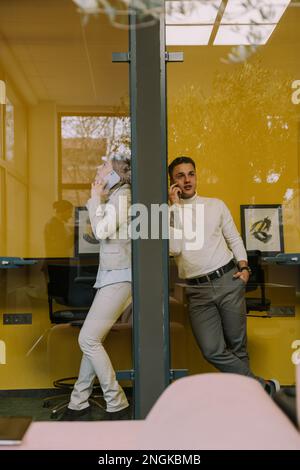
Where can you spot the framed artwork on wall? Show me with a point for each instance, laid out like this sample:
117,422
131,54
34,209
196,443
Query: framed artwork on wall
85,242
262,228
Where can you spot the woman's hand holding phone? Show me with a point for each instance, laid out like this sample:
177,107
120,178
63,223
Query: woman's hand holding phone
99,186
99,189
174,193
103,171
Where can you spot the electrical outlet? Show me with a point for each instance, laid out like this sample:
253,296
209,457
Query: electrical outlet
17,318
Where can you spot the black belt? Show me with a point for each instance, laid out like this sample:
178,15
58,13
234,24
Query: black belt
213,275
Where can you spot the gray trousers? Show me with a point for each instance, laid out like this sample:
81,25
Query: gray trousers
217,313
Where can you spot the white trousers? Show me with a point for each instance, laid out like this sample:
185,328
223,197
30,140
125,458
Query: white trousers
108,305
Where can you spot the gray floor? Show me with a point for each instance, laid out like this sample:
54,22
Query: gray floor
34,406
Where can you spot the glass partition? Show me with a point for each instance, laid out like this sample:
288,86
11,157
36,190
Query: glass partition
66,107
233,107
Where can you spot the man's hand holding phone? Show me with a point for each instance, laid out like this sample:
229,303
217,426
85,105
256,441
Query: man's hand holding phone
174,193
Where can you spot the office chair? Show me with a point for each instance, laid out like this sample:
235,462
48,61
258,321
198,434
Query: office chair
71,287
256,280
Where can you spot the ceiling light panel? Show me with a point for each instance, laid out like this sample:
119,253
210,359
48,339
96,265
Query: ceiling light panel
243,35
256,11
192,12
188,35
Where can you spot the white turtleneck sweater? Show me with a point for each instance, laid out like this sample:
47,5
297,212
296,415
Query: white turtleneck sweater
221,240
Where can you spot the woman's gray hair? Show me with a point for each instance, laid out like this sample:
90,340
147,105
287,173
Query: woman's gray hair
121,165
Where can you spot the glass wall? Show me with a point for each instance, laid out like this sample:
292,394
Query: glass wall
233,106
66,108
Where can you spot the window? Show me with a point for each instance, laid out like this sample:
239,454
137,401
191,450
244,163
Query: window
84,140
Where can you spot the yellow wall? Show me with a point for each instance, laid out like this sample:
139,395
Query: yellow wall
2,178
225,131
2,212
28,185
14,181
43,164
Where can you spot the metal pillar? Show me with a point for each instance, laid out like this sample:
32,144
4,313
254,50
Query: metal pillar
149,185
150,258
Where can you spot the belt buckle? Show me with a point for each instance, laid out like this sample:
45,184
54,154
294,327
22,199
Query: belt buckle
219,273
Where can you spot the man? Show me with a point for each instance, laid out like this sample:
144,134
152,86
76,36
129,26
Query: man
58,234
216,273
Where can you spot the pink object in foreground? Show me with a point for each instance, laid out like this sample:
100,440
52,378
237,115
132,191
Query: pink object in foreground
207,411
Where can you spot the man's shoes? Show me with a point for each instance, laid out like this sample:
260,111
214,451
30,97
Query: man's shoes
125,413
272,386
76,415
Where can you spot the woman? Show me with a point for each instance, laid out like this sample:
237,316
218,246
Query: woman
108,211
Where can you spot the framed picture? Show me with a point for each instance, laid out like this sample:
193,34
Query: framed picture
262,228
85,242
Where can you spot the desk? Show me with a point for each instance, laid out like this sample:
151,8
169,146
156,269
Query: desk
13,262
287,259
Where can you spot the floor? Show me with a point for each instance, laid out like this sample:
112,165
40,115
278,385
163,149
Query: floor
34,406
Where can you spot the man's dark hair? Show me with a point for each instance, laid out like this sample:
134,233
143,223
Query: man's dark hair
179,161
62,205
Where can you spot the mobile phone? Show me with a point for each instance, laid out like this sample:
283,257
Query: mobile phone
112,179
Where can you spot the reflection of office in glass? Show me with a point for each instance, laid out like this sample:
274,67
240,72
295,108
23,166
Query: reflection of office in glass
85,241
58,232
241,23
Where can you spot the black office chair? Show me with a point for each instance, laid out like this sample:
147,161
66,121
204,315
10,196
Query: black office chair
256,281
72,287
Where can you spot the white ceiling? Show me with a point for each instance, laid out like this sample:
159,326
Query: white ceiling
44,47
